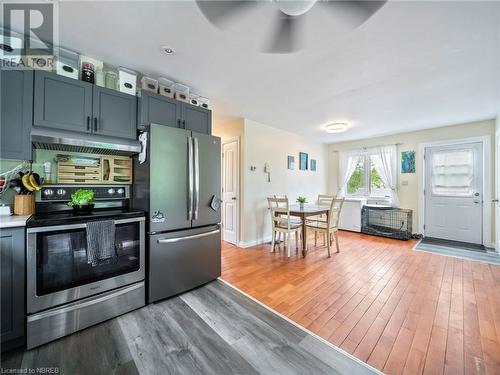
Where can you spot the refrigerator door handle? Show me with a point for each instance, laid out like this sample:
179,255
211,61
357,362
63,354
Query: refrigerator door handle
177,239
196,178
191,177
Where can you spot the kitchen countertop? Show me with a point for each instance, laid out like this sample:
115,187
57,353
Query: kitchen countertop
13,221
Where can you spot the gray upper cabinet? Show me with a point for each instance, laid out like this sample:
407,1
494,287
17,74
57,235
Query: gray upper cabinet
68,104
16,114
62,103
12,260
158,109
114,113
197,119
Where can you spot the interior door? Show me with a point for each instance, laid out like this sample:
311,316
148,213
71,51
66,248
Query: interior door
454,192
207,180
169,178
497,195
230,188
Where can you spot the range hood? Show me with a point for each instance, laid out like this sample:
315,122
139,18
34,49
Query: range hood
60,140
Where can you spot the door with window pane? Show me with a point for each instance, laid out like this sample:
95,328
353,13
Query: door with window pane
453,192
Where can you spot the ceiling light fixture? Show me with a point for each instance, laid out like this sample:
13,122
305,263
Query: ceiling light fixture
168,50
337,127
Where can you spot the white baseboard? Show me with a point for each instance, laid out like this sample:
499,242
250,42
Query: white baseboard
247,244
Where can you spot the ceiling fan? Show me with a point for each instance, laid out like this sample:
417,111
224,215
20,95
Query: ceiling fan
285,38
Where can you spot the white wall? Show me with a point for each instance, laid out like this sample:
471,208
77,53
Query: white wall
267,144
408,183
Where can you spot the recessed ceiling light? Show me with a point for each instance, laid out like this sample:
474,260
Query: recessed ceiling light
336,127
168,50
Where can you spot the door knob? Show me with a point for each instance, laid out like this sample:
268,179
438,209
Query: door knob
495,200
476,194
233,198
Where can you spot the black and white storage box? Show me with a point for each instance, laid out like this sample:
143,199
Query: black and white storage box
181,92
149,84
166,87
127,81
67,63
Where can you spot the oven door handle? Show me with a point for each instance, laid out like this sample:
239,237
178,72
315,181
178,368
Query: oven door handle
177,239
80,226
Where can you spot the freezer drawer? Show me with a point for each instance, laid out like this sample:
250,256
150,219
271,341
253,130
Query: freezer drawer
183,260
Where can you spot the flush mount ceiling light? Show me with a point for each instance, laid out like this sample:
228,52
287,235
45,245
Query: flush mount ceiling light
336,127
168,50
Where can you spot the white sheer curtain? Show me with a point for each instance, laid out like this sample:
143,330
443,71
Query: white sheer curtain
385,161
348,162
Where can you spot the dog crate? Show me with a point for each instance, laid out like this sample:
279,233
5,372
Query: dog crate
387,221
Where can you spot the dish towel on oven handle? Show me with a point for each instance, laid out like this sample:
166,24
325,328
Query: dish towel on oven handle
100,241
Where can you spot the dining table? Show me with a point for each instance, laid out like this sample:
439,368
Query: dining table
303,212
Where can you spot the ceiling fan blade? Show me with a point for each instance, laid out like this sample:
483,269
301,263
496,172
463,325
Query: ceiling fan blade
220,12
354,12
285,37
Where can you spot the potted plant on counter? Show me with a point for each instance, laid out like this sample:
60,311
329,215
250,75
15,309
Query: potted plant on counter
301,201
82,201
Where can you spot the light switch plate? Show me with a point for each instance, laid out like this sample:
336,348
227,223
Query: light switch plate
404,183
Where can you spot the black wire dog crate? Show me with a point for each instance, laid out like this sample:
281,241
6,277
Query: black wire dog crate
387,221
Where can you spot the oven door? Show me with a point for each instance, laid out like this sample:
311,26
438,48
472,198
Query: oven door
58,270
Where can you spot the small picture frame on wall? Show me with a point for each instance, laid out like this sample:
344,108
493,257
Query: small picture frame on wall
313,165
303,161
408,162
291,162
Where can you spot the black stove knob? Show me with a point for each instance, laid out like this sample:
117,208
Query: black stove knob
48,192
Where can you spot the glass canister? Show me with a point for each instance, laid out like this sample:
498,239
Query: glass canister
111,80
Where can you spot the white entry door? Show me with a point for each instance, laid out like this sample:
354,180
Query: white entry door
453,192
230,188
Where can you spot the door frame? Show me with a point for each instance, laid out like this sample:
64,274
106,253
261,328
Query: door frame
238,185
497,190
486,193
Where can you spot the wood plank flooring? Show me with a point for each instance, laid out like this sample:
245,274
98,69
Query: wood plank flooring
210,330
401,311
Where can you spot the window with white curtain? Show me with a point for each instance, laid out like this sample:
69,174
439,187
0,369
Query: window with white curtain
365,180
452,173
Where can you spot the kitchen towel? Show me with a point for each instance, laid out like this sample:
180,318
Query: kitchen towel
100,241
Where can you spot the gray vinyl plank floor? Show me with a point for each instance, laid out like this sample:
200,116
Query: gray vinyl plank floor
214,329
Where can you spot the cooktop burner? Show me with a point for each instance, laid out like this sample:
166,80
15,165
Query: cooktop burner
68,217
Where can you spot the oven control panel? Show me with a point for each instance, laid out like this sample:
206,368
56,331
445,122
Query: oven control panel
101,192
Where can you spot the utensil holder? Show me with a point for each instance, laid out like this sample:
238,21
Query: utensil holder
24,205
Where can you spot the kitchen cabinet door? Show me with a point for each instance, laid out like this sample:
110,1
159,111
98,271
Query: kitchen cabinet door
158,109
114,113
196,119
12,254
16,114
62,103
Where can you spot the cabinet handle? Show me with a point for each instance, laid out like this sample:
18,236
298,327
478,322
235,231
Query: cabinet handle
184,124
179,123
95,124
88,123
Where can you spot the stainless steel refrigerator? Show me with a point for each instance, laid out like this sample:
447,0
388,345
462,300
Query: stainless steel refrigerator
178,183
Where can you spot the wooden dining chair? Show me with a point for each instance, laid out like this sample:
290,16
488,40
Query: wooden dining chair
330,226
282,222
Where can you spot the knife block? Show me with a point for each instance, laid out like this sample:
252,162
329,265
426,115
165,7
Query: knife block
24,205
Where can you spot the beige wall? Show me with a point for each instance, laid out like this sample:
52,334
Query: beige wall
259,144
267,144
408,194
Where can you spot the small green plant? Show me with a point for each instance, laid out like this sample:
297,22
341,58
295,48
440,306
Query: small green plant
81,197
301,200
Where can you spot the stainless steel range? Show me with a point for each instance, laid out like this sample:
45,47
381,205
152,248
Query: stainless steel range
65,291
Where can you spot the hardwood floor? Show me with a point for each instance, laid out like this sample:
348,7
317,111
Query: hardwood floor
210,330
401,311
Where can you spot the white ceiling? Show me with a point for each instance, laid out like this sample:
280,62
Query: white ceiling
413,65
